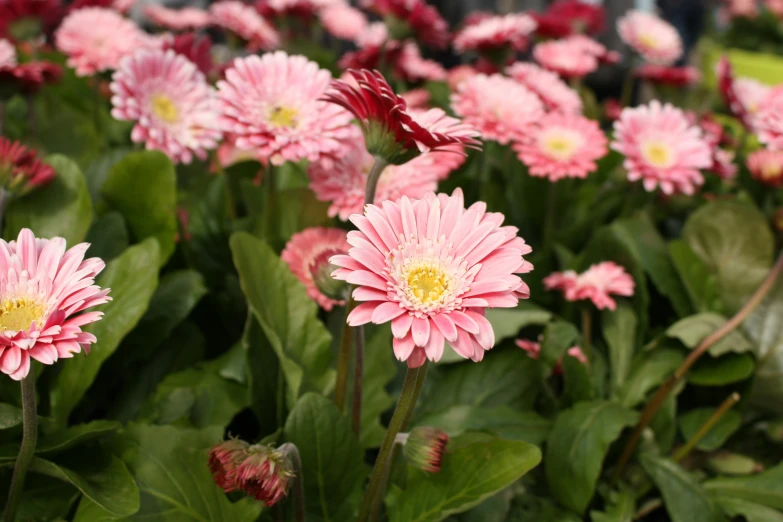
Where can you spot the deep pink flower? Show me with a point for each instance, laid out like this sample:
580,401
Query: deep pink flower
562,146
26,77
554,92
22,20
566,58
307,254
343,21
413,16
195,47
597,284
20,168
246,23
265,474
592,47
650,36
374,47
432,267
44,288
768,122
511,31
766,166
224,459
177,19
661,147
273,104
500,108
567,17
668,75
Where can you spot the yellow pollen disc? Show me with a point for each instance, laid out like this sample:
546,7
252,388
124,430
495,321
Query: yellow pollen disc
559,146
771,170
658,154
164,108
19,314
428,284
648,40
283,116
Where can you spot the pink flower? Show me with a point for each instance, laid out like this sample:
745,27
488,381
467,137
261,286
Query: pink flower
432,267
343,21
742,8
511,31
766,166
554,92
533,350
229,154
424,447
265,474
597,284
416,17
177,19
413,68
661,147
565,17
562,146
650,36
566,58
21,170
593,47
751,94
173,106
245,22
666,75
44,287
224,458
195,47
459,74
768,122
97,39
273,103
775,7
7,54
499,107
417,98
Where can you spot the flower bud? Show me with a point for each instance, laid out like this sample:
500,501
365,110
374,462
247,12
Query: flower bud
20,168
424,448
265,474
321,270
725,463
224,459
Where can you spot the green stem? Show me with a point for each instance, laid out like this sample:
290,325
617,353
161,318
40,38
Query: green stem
405,403
27,450
358,379
372,179
586,331
299,495
344,357
627,92
549,218
705,428
270,205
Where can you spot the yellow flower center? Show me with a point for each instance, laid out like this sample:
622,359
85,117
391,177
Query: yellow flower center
164,108
658,154
427,283
771,170
648,40
18,314
283,116
559,146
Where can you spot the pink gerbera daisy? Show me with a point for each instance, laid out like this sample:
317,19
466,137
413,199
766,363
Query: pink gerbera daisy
554,92
343,21
97,39
245,22
567,58
273,103
562,146
417,98
593,47
7,54
307,254
173,106
650,36
43,289
768,122
511,31
412,67
766,166
458,74
661,147
597,284
751,93
432,267
177,19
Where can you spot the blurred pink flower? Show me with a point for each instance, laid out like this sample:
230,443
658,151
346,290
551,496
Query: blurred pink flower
7,54
533,350
742,8
661,147
751,93
417,98
766,166
566,58
265,474
511,31
195,47
456,75
432,267
307,254
224,459
416,17
597,284
668,75
245,22
650,36
768,122
412,67
177,19
343,21
554,92
21,170
593,47
774,6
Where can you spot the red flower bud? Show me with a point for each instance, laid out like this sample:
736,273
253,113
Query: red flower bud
424,448
224,459
265,474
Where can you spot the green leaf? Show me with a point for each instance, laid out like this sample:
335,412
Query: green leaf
650,370
577,447
380,368
559,336
46,498
502,421
725,427
507,322
764,328
578,381
263,369
98,170
62,208
619,328
287,316
98,474
621,507
468,475
694,329
765,488
735,242
300,209
494,509
132,278
108,236
143,188
685,499
664,424
529,508
719,371
10,416
332,459
698,281
751,511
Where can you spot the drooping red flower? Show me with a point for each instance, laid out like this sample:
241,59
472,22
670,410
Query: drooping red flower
20,168
224,459
265,474
195,47
27,19
567,17
406,17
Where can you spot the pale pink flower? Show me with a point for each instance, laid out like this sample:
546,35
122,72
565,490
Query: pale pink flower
566,58
496,32
417,99
562,146
307,254
768,122
374,35
174,107
500,108
273,103
97,39
177,19
460,73
533,350
123,6
751,93
775,7
43,289
742,8
414,68
7,54
554,92
593,47
343,21
597,284
245,22
432,267
766,166
650,36
661,147
229,154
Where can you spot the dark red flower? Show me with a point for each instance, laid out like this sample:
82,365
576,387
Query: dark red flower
668,75
28,19
302,9
20,168
265,474
405,17
196,48
725,74
567,17
424,448
612,109
372,56
224,459
31,76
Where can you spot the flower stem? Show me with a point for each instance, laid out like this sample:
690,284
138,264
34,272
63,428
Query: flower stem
26,451
372,179
344,357
358,379
586,331
270,205
405,403
663,392
626,96
549,219
705,428
299,497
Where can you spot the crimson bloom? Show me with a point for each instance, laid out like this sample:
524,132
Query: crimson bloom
667,75
20,168
195,47
567,17
265,474
26,77
406,17
27,19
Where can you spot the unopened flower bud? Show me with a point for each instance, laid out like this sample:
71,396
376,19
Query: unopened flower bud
265,474
424,448
321,270
20,168
224,459
725,463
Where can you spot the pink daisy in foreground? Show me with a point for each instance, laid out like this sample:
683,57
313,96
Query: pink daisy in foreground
511,31
173,106
554,92
177,19
273,103
7,54
568,59
650,36
343,21
307,254
661,147
97,39
43,289
432,267
245,22
597,284
562,146
766,166
533,350
768,122
500,108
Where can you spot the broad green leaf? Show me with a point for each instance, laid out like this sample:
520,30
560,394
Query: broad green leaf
46,498
765,488
494,509
287,316
719,371
332,459
529,508
507,322
726,426
764,328
10,416
62,208
300,209
685,499
108,236
380,368
577,447
619,328
621,507
698,281
750,511
99,169
694,329
664,424
468,475
502,421
650,369
98,474
263,372
578,381
132,278
559,336
142,187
